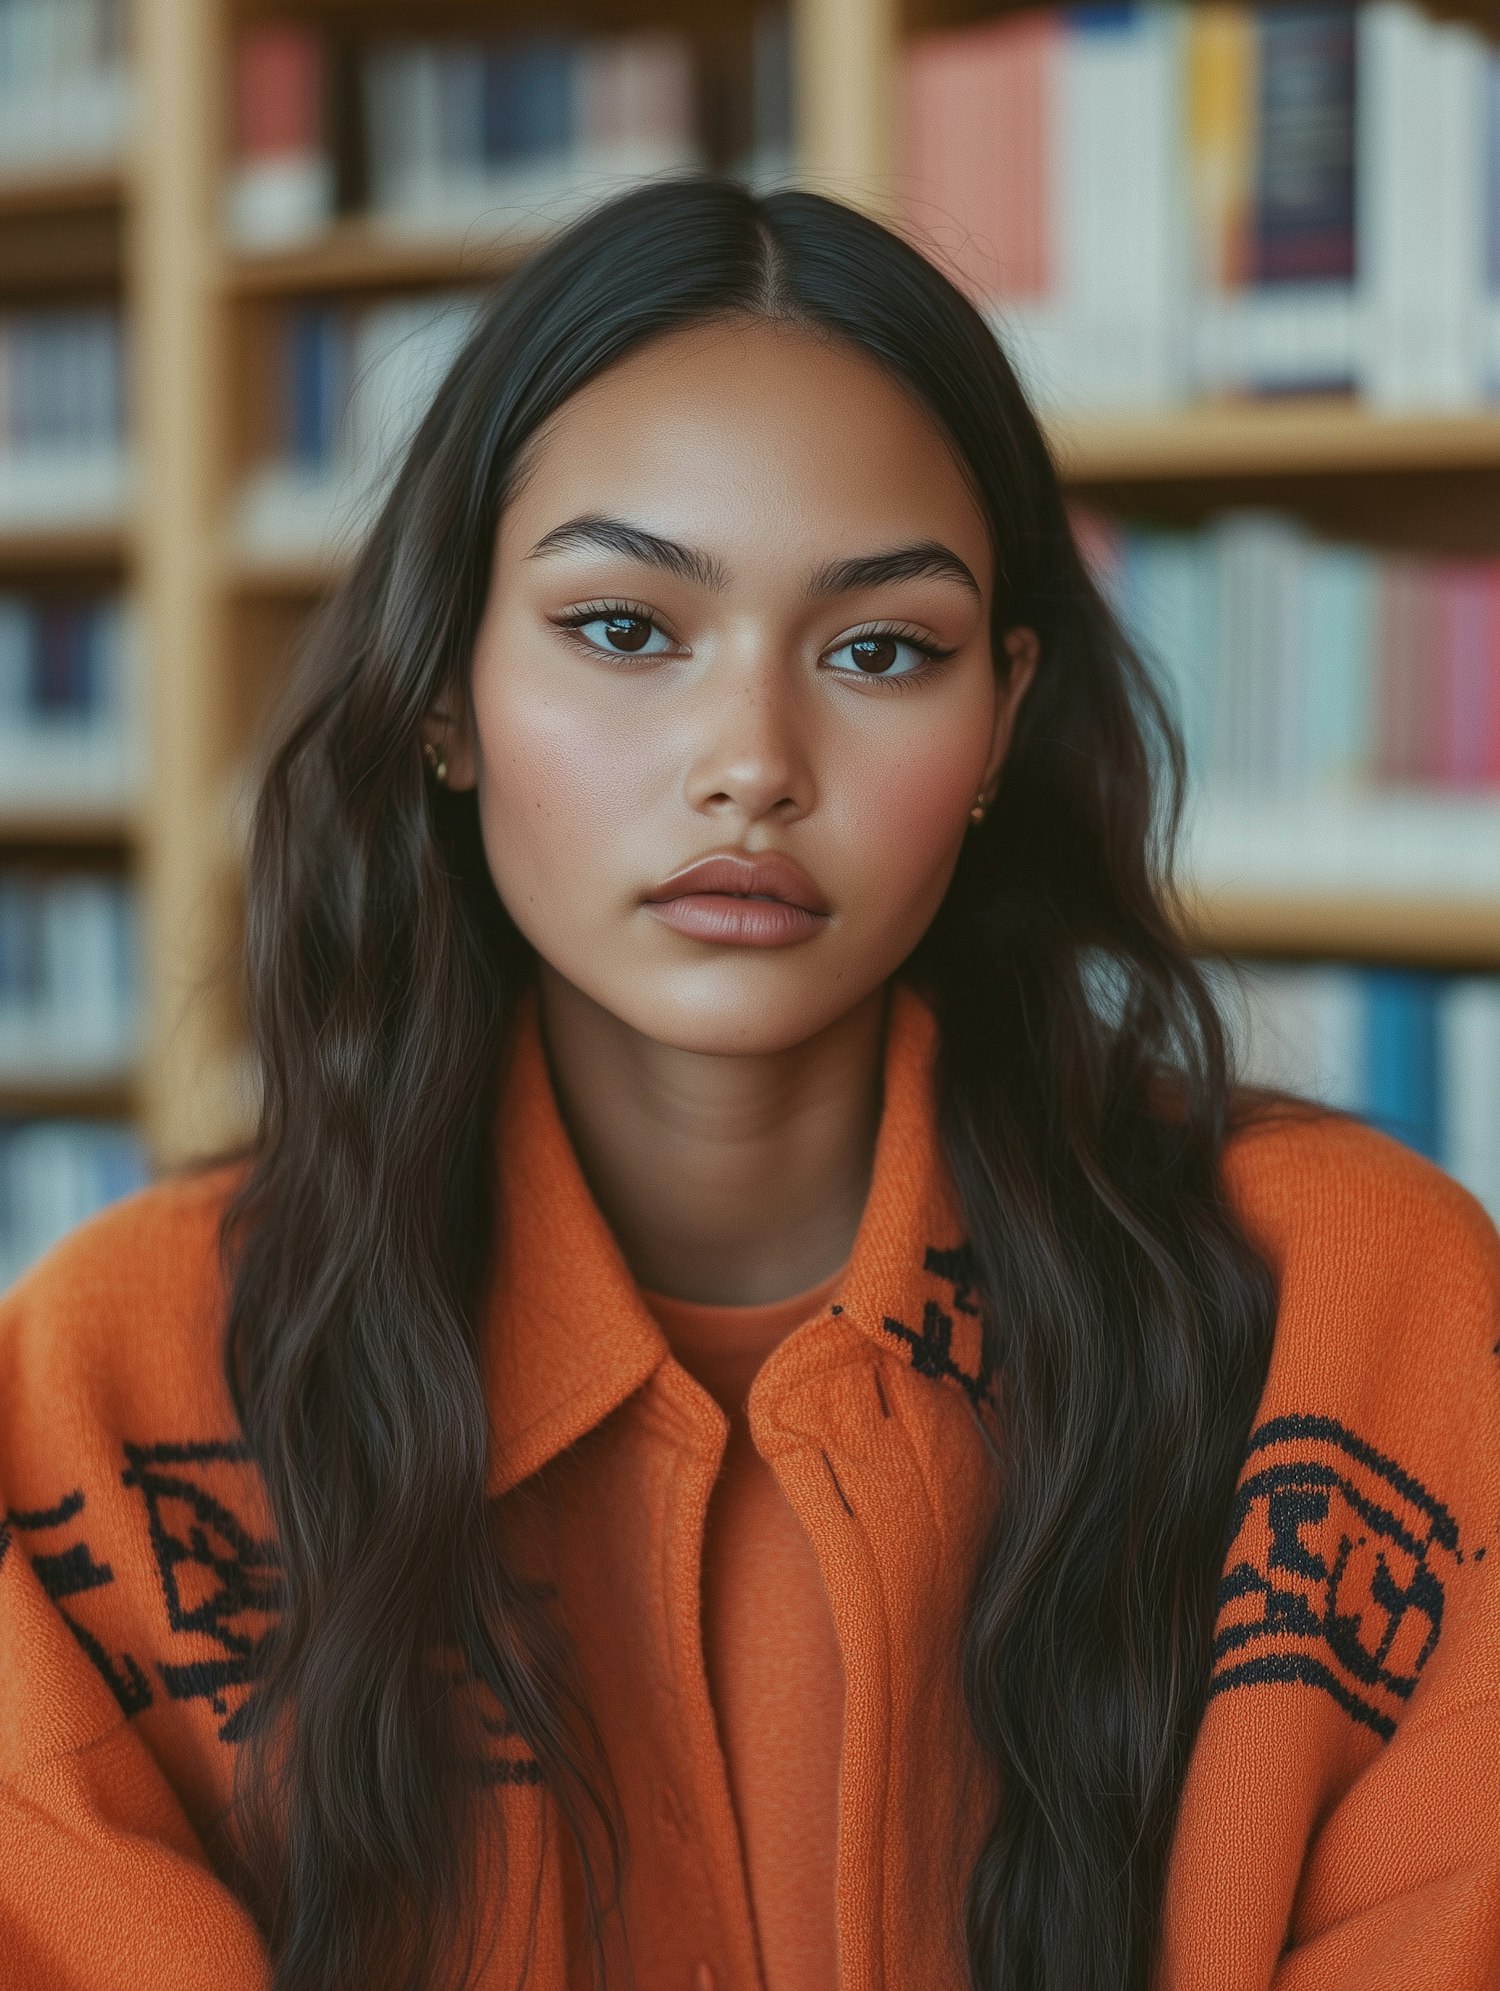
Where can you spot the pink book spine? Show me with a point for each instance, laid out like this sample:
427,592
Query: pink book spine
1466,605
1398,726
926,133
978,195
974,137
1008,107
1426,677
1036,53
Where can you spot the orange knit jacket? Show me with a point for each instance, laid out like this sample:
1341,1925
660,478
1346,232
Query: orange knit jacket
1340,1824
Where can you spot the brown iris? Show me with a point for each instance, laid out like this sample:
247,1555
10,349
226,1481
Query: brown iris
874,654
627,632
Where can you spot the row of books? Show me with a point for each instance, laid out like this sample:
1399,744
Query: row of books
1158,199
62,416
70,734
351,381
54,1174
1415,1053
68,977
522,127
1300,666
65,94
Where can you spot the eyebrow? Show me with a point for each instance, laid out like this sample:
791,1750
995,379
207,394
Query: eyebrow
924,559
615,535
927,559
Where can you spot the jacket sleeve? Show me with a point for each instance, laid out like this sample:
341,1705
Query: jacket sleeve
103,1880
1401,1886
1414,1882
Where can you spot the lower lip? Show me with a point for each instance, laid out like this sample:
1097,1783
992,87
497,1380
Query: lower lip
738,922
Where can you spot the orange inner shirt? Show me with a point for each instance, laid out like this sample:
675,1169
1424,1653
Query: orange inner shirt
770,1648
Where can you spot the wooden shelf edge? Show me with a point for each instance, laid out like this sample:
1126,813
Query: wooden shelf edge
47,1097
21,824
1451,933
363,254
276,577
1324,435
54,546
60,188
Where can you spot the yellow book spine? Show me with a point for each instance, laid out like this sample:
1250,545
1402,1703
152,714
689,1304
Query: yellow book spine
1221,121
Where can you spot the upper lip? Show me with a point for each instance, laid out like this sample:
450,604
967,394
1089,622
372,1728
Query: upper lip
768,875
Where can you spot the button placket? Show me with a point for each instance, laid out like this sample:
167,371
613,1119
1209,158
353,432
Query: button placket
703,1431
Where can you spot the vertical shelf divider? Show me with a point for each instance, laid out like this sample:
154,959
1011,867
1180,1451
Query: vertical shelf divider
179,383
844,67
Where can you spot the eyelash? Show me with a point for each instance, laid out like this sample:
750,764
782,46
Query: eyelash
932,653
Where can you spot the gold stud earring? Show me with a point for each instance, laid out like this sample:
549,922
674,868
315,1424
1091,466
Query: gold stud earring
437,762
976,814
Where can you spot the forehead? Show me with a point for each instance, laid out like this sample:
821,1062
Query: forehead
757,435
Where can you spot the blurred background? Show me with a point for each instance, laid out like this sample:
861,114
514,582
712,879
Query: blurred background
1247,260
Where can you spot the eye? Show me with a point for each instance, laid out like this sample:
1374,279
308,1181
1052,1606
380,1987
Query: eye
888,654
619,629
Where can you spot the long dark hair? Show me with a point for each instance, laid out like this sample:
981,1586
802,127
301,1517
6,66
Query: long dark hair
1084,1097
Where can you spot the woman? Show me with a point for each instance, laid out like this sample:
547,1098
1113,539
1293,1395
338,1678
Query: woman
764,1419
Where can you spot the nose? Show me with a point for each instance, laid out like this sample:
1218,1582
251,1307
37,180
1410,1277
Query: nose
754,737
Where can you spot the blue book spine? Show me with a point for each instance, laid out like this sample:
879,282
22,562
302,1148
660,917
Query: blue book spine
1401,1012
79,620
53,660
11,942
93,688
1102,16
1304,196
315,399
529,98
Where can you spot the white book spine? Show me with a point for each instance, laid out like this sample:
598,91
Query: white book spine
1469,1066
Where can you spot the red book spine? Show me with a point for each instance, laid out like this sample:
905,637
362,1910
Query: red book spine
278,92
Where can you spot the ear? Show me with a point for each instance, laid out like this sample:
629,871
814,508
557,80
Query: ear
1023,650
451,733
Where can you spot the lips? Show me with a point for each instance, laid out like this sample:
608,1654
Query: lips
741,876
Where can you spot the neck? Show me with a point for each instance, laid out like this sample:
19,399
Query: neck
727,1179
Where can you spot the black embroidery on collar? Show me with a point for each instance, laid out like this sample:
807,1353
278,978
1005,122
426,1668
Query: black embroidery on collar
932,1349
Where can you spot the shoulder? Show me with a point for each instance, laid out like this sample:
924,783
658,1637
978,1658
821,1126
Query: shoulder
1387,1333
119,1323
1368,1513
1343,1211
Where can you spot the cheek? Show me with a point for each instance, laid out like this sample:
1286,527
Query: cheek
909,811
559,782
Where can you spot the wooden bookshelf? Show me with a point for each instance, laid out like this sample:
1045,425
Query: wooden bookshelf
86,1098
218,620
358,255
84,824
60,191
1293,437
1440,933
67,549
63,229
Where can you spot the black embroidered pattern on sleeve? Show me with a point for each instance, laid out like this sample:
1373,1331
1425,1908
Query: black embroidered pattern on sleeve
219,1580
932,1348
1336,1571
67,1569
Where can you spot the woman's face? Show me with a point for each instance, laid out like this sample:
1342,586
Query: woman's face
740,605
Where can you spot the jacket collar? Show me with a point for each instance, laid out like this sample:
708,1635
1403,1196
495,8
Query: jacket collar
568,1337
